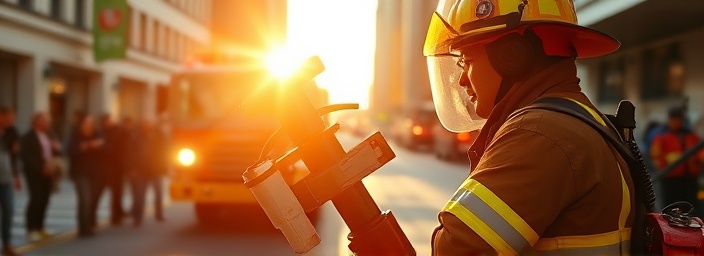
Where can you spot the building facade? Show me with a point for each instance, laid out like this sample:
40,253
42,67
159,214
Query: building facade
659,64
401,84
47,63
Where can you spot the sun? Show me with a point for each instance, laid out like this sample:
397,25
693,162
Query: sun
283,61
343,34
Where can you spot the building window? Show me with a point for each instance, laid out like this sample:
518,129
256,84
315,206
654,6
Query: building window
178,38
158,46
663,72
611,81
8,83
56,9
80,13
26,4
143,32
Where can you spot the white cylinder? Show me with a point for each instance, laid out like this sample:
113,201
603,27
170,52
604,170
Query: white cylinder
284,210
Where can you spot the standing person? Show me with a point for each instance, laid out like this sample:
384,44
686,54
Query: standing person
8,177
11,140
680,184
124,155
160,165
85,151
112,164
540,180
144,160
37,151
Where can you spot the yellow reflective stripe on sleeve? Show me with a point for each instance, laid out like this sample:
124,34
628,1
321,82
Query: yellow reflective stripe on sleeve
491,218
502,209
483,230
616,249
566,242
591,111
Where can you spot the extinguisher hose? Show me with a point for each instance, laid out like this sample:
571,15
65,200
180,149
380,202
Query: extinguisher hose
645,200
641,178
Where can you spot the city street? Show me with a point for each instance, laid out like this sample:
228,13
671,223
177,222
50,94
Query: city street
192,91
414,186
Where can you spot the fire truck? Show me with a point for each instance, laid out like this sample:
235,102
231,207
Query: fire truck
213,141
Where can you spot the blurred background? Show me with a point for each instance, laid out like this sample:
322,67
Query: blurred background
187,64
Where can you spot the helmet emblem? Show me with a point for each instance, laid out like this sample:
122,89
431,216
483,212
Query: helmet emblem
484,9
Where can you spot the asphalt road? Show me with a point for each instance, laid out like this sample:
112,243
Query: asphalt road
414,186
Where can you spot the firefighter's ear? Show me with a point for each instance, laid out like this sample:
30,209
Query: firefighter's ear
512,56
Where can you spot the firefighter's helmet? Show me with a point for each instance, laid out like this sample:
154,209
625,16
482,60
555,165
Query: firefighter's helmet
457,24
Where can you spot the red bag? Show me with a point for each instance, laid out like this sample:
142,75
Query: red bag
674,231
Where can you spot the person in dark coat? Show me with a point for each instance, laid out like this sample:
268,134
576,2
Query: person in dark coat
8,177
87,173
113,164
37,151
11,141
147,160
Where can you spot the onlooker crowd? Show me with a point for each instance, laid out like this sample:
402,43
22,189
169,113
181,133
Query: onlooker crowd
102,155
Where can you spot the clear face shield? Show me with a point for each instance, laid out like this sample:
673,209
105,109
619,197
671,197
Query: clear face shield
452,103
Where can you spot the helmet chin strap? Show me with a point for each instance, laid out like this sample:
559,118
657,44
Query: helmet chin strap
504,87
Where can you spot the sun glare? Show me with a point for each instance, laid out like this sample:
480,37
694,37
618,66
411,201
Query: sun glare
343,34
283,62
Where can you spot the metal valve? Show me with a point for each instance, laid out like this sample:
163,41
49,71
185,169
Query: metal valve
281,206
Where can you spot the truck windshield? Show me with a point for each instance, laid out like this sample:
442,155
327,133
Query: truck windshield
208,97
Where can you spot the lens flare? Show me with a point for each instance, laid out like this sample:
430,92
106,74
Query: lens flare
283,62
186,157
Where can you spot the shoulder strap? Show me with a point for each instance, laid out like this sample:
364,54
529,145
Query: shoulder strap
645,197
568,107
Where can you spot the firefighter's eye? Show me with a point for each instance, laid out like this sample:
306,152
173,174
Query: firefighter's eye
463,62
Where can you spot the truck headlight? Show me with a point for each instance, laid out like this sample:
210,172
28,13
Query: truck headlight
186,157
417,130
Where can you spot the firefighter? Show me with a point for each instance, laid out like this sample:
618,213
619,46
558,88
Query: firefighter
680,184
540,180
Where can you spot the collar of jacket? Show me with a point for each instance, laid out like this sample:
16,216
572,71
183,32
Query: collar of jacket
558,78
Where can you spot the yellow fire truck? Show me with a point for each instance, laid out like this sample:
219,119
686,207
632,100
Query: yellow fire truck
213,141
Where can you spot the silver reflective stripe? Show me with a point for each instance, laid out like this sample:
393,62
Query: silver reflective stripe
614,249
491,218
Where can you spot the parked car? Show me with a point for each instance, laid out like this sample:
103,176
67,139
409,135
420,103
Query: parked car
450,145
416,130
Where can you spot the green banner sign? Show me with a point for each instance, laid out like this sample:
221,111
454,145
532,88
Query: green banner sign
110,21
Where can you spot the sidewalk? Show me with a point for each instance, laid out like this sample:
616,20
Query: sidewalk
61,215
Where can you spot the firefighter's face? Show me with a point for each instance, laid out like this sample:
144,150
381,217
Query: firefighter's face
480,79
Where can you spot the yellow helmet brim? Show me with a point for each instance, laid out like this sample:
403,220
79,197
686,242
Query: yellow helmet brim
559,38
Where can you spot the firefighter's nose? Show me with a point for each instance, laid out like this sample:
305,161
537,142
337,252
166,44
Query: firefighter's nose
464,80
